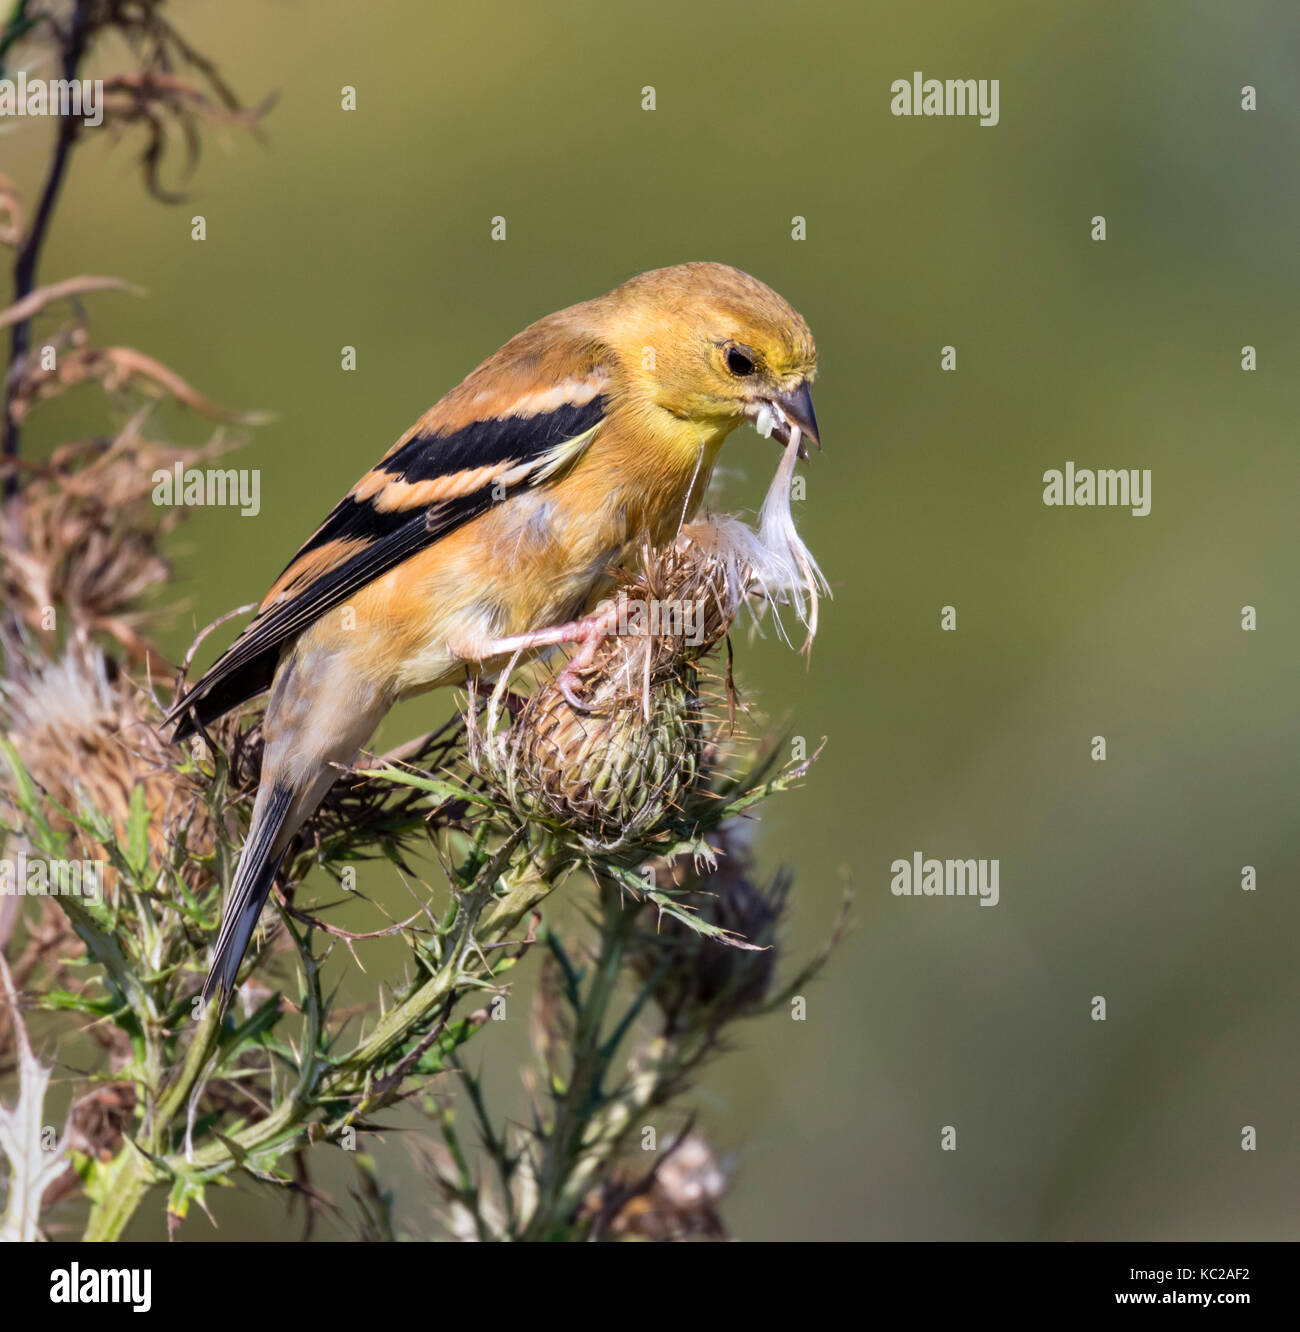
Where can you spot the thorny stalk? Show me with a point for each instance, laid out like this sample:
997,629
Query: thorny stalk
29,250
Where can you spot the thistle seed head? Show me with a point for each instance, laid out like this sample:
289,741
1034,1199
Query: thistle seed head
701,981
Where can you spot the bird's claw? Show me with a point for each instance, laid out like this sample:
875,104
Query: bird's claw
564,683
595,629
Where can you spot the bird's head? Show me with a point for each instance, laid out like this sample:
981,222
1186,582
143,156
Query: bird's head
715,347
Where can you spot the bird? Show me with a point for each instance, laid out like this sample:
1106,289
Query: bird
490,527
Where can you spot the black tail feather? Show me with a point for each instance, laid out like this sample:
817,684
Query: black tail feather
219,691
253,879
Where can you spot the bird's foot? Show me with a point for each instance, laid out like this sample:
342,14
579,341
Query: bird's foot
587,634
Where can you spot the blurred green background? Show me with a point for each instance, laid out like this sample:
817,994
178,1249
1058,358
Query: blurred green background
1122,878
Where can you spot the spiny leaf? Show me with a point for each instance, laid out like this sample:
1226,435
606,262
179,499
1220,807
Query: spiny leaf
34,1164
137,834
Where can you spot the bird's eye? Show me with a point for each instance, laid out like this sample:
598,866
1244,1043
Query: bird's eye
738,363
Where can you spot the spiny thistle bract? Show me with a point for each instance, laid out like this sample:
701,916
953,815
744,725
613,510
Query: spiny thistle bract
611,773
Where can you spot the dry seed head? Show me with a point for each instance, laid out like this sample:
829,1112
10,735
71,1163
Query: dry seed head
616,769
615,772
92,539
696,979
88,737
680,1202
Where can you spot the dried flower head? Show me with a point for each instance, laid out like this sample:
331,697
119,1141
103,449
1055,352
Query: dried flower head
615,761
92,539
613,773
677,1200
87,737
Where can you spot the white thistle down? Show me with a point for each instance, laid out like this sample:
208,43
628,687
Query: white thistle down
773,559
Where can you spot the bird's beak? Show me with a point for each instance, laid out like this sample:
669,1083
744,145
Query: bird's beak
797,406
776,416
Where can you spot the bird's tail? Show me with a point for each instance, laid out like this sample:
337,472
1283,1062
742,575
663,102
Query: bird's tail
261,857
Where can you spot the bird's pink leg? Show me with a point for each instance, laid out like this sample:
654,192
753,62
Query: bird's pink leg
587,633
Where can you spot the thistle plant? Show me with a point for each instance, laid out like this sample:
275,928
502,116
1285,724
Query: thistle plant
630,797
680,941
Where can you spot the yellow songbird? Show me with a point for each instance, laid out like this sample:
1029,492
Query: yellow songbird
491,525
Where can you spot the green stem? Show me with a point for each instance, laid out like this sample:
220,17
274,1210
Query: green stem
123,1187
481,916
350,1078
177,1093
570,1141
486,916
127,1181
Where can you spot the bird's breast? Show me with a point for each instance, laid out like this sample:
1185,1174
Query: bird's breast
528,563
